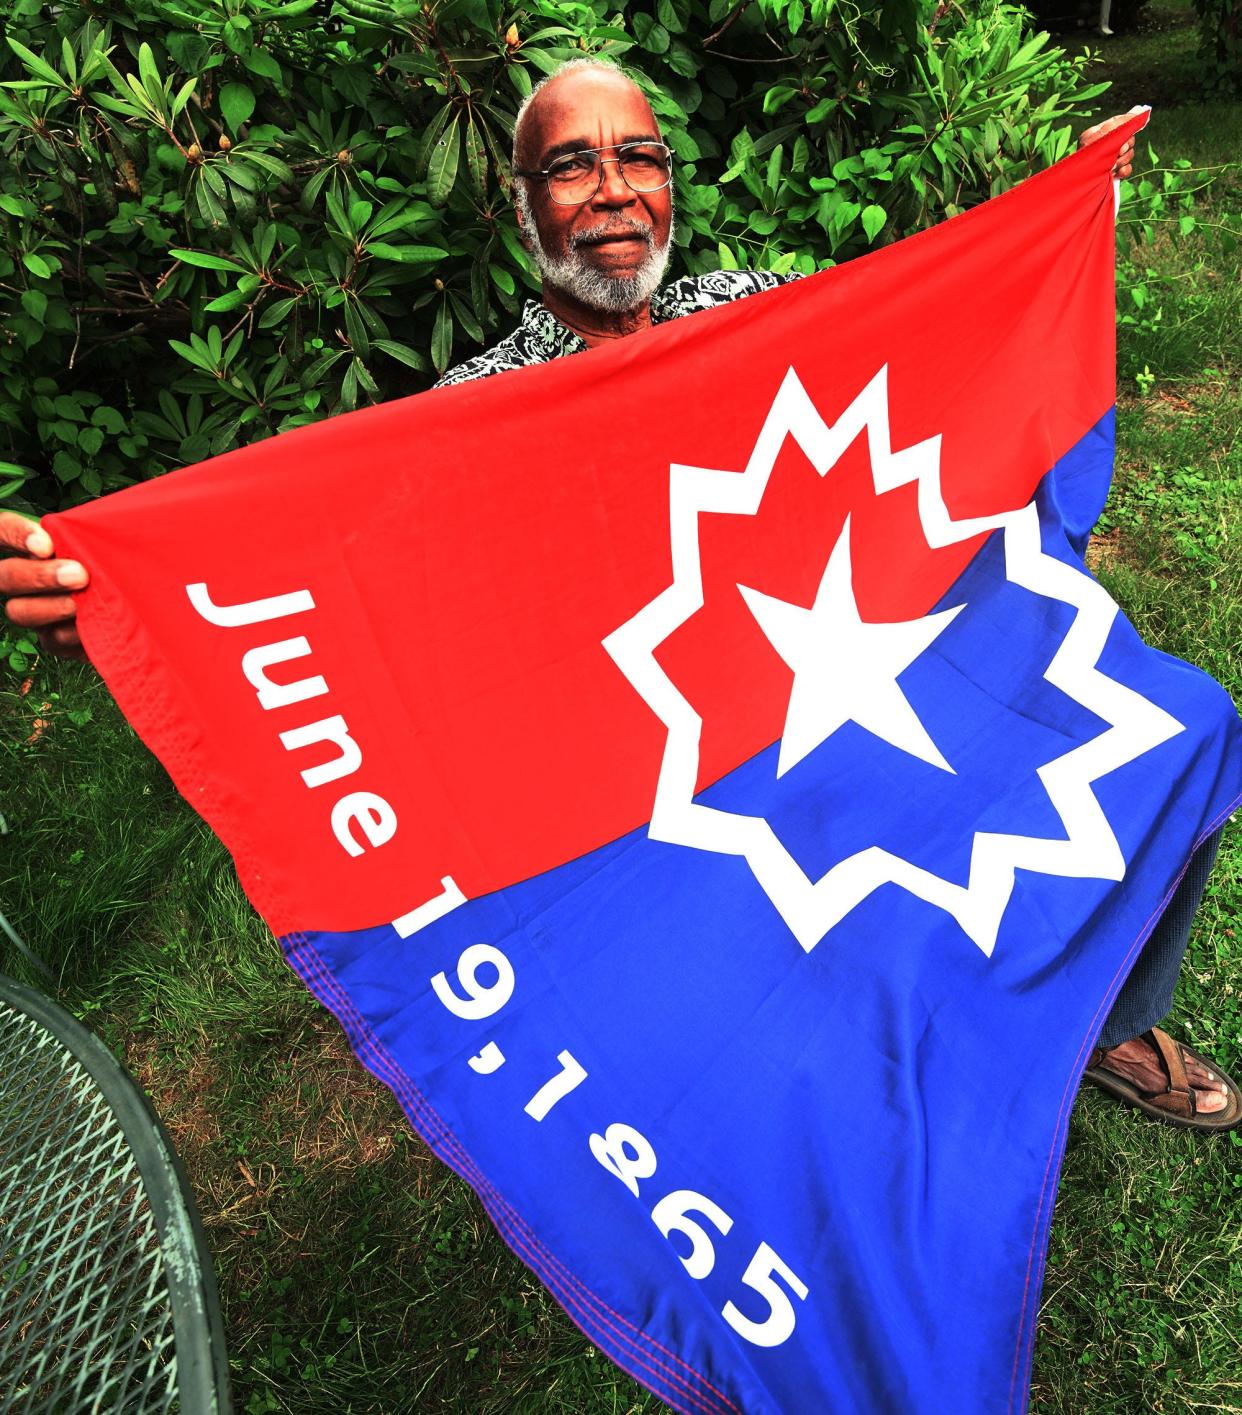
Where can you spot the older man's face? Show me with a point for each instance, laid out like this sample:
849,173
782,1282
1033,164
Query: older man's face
606,249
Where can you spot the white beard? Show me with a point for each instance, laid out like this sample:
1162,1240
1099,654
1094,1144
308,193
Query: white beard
616,294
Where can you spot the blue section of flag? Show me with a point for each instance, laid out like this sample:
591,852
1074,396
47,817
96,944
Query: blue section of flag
825,1107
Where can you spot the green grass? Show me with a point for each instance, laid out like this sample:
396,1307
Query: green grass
357,1273
1144,1284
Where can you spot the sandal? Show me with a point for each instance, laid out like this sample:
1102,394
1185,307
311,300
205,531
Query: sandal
1176,1103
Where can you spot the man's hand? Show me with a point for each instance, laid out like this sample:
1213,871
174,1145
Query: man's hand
36,586
1125,158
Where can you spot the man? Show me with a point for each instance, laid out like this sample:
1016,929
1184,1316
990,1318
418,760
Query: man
593,197
600,229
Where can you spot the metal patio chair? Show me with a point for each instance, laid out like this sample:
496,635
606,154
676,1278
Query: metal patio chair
107,1296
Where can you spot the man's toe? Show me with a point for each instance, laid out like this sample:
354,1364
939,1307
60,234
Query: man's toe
1211,1094
1209,1098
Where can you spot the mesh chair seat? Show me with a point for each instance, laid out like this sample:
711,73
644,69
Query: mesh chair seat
107,1297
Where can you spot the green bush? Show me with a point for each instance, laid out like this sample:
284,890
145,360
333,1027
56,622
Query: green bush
223,218
1220,46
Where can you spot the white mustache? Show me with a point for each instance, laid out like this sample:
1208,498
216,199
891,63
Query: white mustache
610,231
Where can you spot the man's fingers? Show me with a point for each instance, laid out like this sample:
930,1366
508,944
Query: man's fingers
37,584
19,576
1102,130
41,611
21,533
1125,158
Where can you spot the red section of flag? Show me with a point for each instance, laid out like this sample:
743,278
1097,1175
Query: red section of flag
468,550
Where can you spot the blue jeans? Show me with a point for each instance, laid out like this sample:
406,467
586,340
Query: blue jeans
1147,994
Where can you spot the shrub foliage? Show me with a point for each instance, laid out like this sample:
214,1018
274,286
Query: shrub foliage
223,218
1220,30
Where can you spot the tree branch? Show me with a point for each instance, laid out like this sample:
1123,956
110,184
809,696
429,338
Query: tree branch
734,13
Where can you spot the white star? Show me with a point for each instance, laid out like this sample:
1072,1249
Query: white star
844,668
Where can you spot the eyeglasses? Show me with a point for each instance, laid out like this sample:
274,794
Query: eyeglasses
576,177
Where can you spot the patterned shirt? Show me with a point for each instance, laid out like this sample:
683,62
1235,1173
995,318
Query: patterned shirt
541,336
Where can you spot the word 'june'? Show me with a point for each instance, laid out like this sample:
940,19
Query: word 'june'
374,818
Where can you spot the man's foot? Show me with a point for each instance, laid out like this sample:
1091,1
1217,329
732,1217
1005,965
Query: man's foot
1139,1062
1168,1080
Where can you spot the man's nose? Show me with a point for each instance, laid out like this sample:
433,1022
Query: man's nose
614,190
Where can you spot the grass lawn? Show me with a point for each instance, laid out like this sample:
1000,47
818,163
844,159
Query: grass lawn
357,1274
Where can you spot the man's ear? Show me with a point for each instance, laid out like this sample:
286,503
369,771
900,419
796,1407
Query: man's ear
523,234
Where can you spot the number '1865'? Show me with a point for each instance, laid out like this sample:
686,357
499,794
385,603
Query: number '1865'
630,1156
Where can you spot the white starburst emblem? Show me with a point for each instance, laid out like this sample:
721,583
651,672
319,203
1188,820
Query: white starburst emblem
811,907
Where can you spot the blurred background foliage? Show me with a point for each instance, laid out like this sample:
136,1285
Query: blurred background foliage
223,218
1220,47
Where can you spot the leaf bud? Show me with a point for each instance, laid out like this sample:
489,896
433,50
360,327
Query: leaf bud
511,37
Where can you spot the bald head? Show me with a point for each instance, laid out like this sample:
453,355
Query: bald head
577,90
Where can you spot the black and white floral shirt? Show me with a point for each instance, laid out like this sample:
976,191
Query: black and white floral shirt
541,336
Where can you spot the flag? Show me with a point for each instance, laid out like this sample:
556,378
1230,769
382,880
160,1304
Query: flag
706,785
